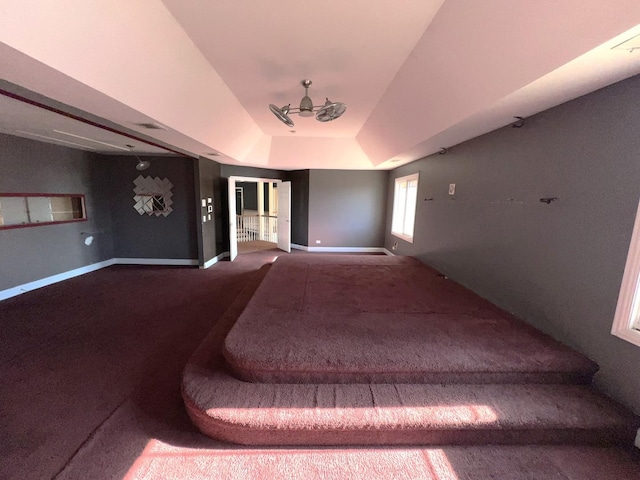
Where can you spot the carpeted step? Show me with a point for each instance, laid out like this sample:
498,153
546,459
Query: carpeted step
358,319
226,408
229,409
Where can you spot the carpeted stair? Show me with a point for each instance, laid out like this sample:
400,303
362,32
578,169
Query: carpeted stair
466,373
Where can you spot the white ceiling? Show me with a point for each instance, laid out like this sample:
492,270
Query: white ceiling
416,76
27,120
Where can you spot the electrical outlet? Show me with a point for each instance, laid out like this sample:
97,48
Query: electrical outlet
452,189
318,241
394,246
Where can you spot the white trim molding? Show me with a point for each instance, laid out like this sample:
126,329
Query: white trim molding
339,249
403,216
156,261
628,309
43,282
215,260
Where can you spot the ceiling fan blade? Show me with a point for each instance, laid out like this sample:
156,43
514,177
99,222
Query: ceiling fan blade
330,111
281,114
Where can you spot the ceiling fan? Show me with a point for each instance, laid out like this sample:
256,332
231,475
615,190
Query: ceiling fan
324,113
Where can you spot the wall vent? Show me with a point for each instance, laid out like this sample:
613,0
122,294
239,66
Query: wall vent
151,126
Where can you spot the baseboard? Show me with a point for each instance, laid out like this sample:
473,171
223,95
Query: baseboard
391,254
339,249
27,287
43,282
156,261
215,260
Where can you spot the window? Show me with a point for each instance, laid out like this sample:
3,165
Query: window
31,209
626,323
405,197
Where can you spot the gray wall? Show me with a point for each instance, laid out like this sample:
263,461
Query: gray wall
144,236
347,208
299,206
557,266
249,195
33,253
252,172
209,233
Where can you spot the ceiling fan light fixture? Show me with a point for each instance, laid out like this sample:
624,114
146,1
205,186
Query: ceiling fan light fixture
306,107
325,113
143,164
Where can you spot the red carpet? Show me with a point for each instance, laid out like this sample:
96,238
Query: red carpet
447,463
454,413
91,371
357,319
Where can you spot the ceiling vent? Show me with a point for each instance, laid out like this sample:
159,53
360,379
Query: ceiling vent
151,126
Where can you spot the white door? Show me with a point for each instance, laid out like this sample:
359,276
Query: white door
284,216
233,234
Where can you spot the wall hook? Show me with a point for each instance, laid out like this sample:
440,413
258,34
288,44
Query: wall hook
519,123
443,151
548,200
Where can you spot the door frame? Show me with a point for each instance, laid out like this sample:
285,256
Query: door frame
233,234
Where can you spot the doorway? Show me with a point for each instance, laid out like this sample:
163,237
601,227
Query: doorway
259,215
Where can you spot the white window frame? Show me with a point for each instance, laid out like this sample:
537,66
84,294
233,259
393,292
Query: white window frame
407,178
626,323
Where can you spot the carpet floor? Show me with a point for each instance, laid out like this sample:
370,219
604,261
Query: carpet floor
90,389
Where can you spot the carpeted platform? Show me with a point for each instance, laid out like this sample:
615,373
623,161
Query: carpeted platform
365,319
227,408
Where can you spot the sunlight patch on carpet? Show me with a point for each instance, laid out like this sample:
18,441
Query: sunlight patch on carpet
163,460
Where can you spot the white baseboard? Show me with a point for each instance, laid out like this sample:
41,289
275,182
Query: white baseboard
391,254
27,287
339,249
43,282
215,260
156,261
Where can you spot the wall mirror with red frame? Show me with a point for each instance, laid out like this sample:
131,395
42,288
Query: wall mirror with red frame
31,209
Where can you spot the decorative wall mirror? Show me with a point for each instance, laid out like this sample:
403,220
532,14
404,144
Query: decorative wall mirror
153,196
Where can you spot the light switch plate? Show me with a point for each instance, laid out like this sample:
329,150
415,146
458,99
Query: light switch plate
452,189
